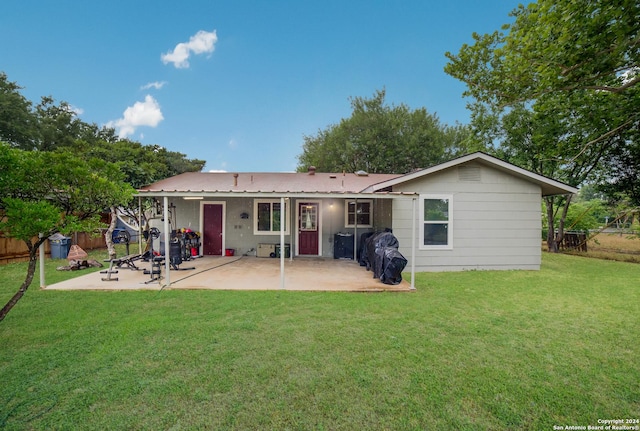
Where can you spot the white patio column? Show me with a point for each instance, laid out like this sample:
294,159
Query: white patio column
43,282
167,238
140,227
414,219
355,228
282,253
292,223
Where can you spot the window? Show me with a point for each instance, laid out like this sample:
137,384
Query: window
267,217
436,231
360,211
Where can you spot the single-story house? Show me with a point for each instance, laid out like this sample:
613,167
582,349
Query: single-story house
473,212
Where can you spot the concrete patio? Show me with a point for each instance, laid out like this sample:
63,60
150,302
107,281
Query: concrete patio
243,273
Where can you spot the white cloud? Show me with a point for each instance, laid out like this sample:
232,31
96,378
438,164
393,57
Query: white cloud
157,85
145,113
76,110
201,43
223,168
233,144
217,171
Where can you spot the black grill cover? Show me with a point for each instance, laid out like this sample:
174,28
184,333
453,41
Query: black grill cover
393,265
380,254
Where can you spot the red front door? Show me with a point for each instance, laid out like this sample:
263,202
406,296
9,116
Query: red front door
308,233
212,230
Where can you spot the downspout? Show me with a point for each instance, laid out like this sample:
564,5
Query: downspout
413,245
282,253
43,282
167,238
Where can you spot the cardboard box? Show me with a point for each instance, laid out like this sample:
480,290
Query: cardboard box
265,250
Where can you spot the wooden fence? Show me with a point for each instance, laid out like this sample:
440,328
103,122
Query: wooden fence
13,250
574,241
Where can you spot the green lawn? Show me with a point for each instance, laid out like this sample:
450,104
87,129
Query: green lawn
467,351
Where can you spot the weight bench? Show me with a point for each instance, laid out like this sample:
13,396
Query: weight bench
128,262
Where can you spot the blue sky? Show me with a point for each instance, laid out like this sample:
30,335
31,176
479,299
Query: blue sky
238,83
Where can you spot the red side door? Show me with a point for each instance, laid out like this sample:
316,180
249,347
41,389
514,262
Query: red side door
212,230
308,233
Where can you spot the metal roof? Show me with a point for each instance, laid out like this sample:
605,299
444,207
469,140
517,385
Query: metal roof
266,182
321,184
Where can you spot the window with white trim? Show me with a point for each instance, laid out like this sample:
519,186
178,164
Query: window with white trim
361,210
266,220
436,231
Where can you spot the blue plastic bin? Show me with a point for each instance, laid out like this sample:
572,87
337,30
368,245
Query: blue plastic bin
60,246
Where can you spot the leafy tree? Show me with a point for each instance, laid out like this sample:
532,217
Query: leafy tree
620,180
583,216
556,46
379,138
525,137
58,125
43,193
17,121
141,164
557,91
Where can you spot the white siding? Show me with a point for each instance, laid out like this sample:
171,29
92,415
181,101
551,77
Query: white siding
496,221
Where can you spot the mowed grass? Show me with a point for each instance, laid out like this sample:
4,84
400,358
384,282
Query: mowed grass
479,350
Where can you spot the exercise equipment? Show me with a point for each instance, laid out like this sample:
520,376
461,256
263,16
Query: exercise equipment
156,261
191,244
126,262
121,237
176,249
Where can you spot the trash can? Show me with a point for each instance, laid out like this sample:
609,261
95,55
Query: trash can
60,246
343,246
287,250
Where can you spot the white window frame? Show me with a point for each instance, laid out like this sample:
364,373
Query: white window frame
271,202
449,222
355,219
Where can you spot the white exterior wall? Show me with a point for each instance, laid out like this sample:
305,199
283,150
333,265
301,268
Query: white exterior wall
496,221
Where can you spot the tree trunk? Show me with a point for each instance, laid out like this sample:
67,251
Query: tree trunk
551,235
108,236
555,239
561,222
33,259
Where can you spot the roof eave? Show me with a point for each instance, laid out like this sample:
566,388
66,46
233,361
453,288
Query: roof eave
271,194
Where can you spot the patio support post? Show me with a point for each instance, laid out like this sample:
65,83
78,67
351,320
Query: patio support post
43,282
140,227
282,249
355,229
167,238
413,244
